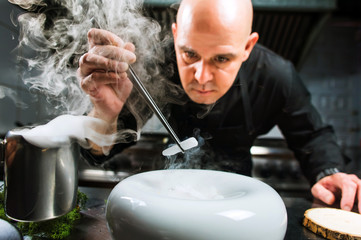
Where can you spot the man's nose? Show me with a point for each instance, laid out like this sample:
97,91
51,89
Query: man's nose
203,72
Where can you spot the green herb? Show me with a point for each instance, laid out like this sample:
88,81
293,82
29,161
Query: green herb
2,204
58,228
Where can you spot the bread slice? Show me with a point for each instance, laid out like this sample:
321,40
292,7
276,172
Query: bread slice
332,223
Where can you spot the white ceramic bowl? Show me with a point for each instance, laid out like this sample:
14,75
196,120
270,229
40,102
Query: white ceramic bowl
194,204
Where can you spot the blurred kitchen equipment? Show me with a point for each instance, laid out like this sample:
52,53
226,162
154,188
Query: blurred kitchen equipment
189,204
40,183
182,146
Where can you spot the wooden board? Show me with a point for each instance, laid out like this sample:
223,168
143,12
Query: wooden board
334,224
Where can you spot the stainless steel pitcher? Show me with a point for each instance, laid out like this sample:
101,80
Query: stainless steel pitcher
40,183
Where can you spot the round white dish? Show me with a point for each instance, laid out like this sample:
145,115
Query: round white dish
193,204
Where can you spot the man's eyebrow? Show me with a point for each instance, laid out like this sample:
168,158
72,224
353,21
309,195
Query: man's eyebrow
185,48
229,55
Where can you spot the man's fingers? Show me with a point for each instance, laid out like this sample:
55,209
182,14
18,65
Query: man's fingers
94,81
89,63
349,189
357,181
346,185
103,37
114,53
323,194
129,46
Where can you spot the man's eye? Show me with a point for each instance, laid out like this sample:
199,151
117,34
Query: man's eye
221,59
190,57
190,54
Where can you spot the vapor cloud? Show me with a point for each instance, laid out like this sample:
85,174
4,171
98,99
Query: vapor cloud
54,35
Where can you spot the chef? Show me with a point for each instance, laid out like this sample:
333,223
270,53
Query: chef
235,90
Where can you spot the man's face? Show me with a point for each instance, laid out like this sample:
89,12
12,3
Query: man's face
207,62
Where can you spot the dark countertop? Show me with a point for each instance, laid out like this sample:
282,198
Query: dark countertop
296,206
93,224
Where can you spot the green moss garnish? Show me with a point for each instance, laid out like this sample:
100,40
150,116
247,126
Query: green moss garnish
58,228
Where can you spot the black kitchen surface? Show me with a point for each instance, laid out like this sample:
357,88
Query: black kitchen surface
93,224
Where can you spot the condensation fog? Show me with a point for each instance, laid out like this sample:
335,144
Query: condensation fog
54,36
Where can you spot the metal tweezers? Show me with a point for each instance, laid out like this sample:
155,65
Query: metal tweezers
149,100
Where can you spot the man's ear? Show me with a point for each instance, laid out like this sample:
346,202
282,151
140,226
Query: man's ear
174,30
251,41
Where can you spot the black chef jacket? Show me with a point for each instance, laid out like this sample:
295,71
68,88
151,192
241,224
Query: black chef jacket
266,92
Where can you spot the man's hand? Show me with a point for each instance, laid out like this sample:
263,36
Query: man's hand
346,186
102,73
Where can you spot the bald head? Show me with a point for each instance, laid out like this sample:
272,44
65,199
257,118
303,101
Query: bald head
212,39
217,16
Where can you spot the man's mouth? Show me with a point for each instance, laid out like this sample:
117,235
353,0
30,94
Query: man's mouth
203,91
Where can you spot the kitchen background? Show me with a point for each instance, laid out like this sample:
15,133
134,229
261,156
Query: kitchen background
322,38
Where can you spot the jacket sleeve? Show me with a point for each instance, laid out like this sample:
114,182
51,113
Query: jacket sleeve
312,141
125,121
97,160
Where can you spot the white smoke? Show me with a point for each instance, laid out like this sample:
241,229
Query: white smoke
65,128
10,93
54,36
29,4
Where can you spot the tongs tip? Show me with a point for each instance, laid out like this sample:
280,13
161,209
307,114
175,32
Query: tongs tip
184,145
